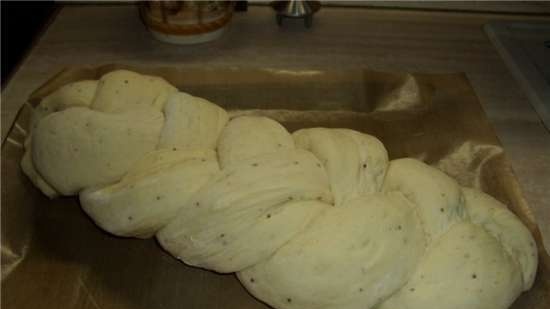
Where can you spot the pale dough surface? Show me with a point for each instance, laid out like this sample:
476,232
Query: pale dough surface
151,193
191,122
437,197
123,90
244,213
350,257
465,268
79,148
502,224
248,136
356,163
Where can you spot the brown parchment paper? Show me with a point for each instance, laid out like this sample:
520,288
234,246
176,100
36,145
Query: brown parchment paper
54,257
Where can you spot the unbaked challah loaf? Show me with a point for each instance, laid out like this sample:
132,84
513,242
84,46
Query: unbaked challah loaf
316,219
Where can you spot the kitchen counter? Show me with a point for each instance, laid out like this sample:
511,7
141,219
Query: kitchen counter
379,39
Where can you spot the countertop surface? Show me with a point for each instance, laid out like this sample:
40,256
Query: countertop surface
379,39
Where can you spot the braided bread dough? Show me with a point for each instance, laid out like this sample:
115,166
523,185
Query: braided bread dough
249,136
316,219
465,268
78,148
355,162
191,123
239,211
352,256
79,93
152,192
436,196
503,225
124,90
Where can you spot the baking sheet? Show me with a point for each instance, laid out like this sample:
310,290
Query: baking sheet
53,256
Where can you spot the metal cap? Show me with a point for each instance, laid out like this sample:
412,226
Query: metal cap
296,9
